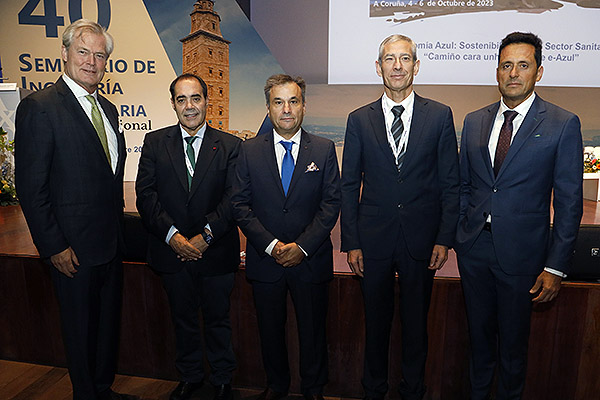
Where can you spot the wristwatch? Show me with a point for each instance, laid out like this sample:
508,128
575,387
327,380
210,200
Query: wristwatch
208,238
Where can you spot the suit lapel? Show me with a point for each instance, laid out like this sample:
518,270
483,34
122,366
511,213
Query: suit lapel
113,119
534,117
378,126
76,113
174,144
487,123
415,135
271,160
208,151
303,160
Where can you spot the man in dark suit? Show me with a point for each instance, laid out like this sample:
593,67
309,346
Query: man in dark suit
286,201
70,156
514,154
401,150
183,191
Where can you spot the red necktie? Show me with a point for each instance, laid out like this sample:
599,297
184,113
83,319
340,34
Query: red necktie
504,140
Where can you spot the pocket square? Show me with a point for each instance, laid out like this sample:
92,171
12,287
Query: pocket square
312,167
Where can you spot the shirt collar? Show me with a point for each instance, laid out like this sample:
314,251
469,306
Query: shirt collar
199,134
522,108
388,103
296,138
77,90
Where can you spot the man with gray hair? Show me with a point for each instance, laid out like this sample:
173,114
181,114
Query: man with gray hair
399,212
70,156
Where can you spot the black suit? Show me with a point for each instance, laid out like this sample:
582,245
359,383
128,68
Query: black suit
396,220
164,200
71,198
305,216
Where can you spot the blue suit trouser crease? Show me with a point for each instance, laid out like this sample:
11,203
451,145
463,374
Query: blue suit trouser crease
499,312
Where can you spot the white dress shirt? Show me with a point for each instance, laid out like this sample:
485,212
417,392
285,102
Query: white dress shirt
279,154
196,145
111,136
387,104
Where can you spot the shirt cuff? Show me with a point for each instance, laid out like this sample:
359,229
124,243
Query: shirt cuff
270,247
172,231
555,272
300,247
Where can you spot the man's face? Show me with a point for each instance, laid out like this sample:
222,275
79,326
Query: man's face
286,109
85,59
517,73
398,68
190,105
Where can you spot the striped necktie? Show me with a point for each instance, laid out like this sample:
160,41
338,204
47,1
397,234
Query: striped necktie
397,130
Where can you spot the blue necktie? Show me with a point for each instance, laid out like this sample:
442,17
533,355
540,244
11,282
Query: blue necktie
287,166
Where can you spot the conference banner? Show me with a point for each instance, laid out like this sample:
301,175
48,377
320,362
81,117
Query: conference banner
459,39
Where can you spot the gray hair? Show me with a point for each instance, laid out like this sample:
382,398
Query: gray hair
282,79
397,38
85,25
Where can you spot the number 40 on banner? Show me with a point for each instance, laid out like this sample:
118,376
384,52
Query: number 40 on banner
52,21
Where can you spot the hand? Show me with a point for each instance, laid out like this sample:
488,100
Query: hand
199,243
355,261
184,249
289,255
276,252
550,285
439,255
65,262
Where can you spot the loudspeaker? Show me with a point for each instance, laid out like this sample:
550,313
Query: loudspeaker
585,265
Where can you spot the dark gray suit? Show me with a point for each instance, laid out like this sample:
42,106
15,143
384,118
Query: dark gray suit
71,197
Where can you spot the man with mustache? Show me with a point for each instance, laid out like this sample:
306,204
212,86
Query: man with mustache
183,188
70,155
516,155
399,212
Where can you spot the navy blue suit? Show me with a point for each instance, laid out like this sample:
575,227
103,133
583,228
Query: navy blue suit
305,216
396,218
499,267
71,198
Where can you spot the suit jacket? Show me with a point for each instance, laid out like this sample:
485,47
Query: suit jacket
306,216
545,156
163,198
67,189
421,199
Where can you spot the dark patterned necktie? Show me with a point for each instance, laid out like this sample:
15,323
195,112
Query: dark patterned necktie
504,140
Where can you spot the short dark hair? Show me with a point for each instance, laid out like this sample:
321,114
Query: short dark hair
282,79
188,76
527,38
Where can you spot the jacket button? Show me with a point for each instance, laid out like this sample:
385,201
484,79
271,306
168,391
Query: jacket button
484,214
400,205
400,181
495,190
285,210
